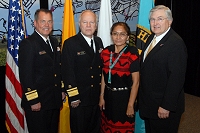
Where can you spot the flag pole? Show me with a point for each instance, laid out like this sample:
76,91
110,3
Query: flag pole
23,21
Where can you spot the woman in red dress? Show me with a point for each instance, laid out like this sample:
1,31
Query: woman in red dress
120,81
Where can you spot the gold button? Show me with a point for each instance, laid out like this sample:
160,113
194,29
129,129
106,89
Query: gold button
99,83
60,64
55,84
92,76
99,66
90,67
55,75
92,85
99,74
69,86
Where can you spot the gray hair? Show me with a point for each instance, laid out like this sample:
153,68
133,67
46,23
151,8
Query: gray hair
87,11
162,7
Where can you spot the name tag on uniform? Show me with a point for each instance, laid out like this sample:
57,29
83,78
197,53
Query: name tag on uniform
81,53
42,52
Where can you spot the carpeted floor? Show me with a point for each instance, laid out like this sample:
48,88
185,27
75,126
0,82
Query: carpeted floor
190,121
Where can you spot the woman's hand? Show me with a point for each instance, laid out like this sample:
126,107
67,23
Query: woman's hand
101,103
130,111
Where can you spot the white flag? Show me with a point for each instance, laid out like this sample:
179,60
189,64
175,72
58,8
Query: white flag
105,22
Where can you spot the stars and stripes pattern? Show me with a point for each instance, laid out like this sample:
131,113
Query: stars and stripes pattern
15,118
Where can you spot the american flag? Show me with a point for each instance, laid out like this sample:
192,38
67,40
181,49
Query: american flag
15,118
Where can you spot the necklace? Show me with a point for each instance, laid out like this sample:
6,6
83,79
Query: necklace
111,65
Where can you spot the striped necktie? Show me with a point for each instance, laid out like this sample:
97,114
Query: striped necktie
153,43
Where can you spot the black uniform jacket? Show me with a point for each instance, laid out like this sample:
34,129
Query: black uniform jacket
162,76
81,69
39,72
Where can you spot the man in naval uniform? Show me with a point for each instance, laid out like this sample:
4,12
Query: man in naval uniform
39,73
81,73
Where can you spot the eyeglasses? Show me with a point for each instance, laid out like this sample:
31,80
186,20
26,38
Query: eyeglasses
120,34
157,20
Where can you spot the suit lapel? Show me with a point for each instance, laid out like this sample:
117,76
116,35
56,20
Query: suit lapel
98,46
53,44
97,49
145,47
158,46
48,48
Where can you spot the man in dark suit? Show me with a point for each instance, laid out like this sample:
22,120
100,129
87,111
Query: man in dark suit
39,72
161,93
81,72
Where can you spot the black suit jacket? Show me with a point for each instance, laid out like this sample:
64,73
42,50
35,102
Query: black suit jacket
81,69
39,72
162,76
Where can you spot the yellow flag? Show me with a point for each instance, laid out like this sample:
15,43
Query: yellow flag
68,30
64,123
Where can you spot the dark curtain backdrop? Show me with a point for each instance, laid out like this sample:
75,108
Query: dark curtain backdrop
185,14
2,100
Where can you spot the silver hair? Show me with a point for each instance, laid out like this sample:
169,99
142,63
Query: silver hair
87,11
162,7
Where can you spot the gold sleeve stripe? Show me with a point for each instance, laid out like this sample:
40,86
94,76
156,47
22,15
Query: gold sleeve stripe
31,95
72,89
72,92
30,92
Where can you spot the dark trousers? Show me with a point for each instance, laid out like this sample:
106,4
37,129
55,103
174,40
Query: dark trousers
44,121
85,119
169,125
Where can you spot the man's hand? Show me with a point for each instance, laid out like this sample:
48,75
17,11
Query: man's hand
75,104
163,113
63,95
36,107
